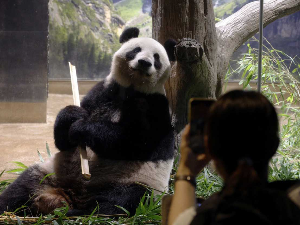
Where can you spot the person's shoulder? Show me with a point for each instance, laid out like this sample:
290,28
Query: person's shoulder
291,187
261,205
206,212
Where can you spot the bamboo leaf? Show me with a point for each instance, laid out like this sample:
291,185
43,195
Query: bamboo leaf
125,210
90,216
246,70
151,200
2,173
20,164
17,171
55,223
48,175
40,156
48,150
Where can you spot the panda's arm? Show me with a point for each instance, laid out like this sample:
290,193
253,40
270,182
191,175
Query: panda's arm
143,135
161,140
70,114
113,141
100,136
65,118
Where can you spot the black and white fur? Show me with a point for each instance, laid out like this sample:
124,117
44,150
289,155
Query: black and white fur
124,121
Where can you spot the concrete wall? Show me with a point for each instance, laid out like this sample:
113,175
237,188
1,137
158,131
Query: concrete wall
23,60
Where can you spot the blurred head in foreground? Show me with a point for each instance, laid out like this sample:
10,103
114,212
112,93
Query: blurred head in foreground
242,134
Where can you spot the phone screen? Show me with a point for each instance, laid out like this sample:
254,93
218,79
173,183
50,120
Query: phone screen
198,112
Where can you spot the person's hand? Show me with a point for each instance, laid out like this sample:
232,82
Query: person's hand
190,163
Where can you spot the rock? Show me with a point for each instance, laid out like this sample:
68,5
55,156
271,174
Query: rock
147,4
84,32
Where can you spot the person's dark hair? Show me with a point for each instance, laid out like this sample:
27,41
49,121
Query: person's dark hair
242,131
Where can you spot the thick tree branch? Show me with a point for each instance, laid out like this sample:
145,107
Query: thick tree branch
235,30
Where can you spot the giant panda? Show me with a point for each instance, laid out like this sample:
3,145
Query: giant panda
124,121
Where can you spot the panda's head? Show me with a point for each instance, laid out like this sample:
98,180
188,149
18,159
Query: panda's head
142,63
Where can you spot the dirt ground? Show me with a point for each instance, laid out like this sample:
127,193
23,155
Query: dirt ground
20,142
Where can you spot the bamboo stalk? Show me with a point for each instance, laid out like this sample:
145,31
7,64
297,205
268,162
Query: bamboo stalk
11,218
83,154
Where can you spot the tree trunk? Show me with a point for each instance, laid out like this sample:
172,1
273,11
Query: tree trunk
194,74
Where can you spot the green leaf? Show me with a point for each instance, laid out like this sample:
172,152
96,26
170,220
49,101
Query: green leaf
41,158
295,70
246,70
125,210
48,175
210,186
48,150
143,198
90,216
55,223
143,210
20,164
17,171
156,217
18,209
279,65
2,173
284,115
249,77
151,200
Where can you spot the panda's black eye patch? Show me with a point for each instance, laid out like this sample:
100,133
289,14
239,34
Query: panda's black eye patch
157,63
131,54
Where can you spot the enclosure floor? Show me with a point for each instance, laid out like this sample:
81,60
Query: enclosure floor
20,142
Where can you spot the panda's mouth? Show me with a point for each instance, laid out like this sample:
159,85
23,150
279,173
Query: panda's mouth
141,71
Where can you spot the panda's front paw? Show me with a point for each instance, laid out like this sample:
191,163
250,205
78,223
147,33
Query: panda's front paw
64,120
70,114
77,132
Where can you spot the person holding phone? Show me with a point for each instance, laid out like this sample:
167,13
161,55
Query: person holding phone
240,137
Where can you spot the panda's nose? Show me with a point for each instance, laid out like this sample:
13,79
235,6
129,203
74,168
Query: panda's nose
144,64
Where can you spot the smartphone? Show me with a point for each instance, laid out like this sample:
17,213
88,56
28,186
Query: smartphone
198,112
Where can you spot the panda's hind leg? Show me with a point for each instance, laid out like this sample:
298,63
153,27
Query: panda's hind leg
127,196
109,197
21,191
49,199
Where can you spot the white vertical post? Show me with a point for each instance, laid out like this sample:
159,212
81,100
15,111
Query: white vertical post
261,27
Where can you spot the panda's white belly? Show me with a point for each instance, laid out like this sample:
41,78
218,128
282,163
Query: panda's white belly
66,164
154,174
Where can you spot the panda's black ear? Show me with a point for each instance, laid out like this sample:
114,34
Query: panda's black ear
131,32
170,48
